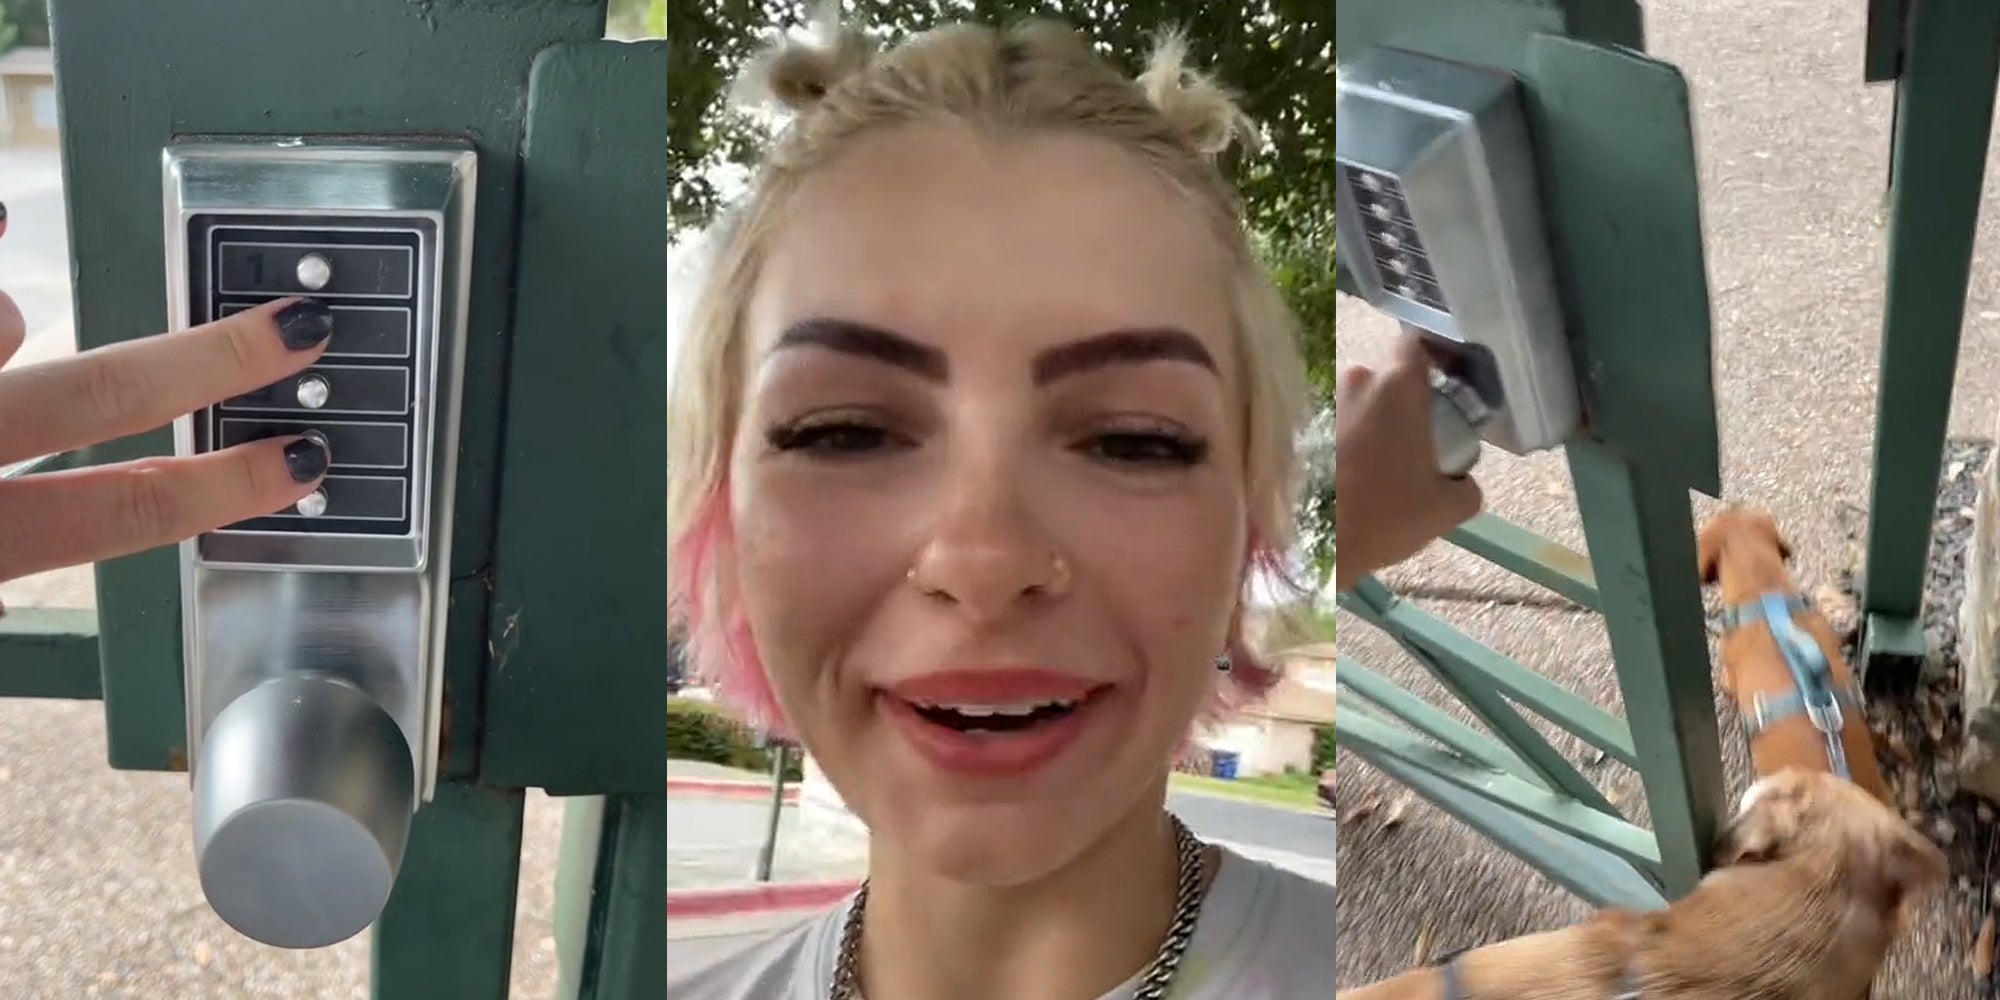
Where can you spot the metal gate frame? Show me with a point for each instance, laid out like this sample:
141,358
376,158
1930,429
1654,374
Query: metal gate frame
553,670
1619,175
1616,151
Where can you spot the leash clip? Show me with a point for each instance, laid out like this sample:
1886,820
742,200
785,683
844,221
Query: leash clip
1823,708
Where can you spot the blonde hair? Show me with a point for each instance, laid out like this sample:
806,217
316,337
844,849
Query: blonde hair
1036,76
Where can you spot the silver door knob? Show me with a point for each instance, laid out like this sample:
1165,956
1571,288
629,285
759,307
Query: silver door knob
1454,432
303,792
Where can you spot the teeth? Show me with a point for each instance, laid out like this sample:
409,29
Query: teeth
1019,708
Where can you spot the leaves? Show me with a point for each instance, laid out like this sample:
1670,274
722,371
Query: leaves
1275,53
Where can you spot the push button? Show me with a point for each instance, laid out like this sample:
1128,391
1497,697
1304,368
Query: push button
354,445
312,504
282,268
355,498
361,331
333,389
313,272
313,391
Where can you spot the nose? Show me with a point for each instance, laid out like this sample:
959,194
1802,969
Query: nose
987,554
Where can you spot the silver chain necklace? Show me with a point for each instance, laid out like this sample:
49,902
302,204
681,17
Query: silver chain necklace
1152,986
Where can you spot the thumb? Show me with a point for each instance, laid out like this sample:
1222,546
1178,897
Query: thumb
1354,379
1411,351
1462,499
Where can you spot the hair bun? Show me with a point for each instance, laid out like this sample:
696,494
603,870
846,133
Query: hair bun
798,73
1202,110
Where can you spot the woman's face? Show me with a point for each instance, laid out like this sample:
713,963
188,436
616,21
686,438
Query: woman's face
990,463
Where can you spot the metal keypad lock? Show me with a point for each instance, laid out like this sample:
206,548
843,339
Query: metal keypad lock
313,635
1439,220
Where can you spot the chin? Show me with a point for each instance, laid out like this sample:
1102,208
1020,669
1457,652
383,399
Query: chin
991,844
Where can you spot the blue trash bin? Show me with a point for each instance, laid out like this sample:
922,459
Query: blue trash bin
1225,764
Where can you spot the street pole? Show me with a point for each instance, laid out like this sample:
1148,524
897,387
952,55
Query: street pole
770,849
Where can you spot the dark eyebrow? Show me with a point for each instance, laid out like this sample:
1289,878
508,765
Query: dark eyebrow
869,342
1120,347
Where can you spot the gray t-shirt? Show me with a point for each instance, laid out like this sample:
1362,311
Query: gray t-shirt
1264,933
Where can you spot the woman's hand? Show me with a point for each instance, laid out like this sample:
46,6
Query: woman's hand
1392,499
55,519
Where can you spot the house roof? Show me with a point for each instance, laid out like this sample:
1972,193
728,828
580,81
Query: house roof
1305,694
28,61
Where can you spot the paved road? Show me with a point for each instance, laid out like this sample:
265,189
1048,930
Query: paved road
1239,822
715,840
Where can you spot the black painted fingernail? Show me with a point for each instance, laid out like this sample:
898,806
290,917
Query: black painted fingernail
306,459
305,323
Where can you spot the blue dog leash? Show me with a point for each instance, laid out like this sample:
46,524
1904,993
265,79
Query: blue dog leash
1815,694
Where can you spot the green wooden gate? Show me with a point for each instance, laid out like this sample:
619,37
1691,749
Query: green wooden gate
1619,181
1619,184
554,673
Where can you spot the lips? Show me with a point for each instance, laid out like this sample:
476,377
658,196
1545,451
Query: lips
993,723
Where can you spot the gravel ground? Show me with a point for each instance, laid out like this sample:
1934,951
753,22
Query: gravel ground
1793,152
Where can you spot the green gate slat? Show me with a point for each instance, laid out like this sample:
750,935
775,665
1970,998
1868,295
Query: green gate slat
576,698
448,930
1376,604
1529,556
1639,533
611,898
1378,741
1469,682
49,653
1594,874
1419,715
1944,118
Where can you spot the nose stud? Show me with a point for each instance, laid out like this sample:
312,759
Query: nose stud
1058,580
1058,574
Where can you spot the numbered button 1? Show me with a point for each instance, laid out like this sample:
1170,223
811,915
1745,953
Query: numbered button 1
313,272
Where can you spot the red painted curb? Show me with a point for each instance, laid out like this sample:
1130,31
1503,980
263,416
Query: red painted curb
728,789
765,898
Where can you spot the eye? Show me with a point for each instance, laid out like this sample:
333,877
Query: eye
1147,448
841,438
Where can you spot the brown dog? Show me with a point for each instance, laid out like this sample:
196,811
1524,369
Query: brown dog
1816,871
1742,552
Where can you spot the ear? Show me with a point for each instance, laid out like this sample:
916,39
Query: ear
1708,553
1908,866
1761,834
1784,548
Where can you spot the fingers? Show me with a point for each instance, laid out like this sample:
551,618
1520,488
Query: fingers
13,328
142,384
57,519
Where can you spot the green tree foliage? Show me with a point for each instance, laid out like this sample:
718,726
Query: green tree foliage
1277,55
24,22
